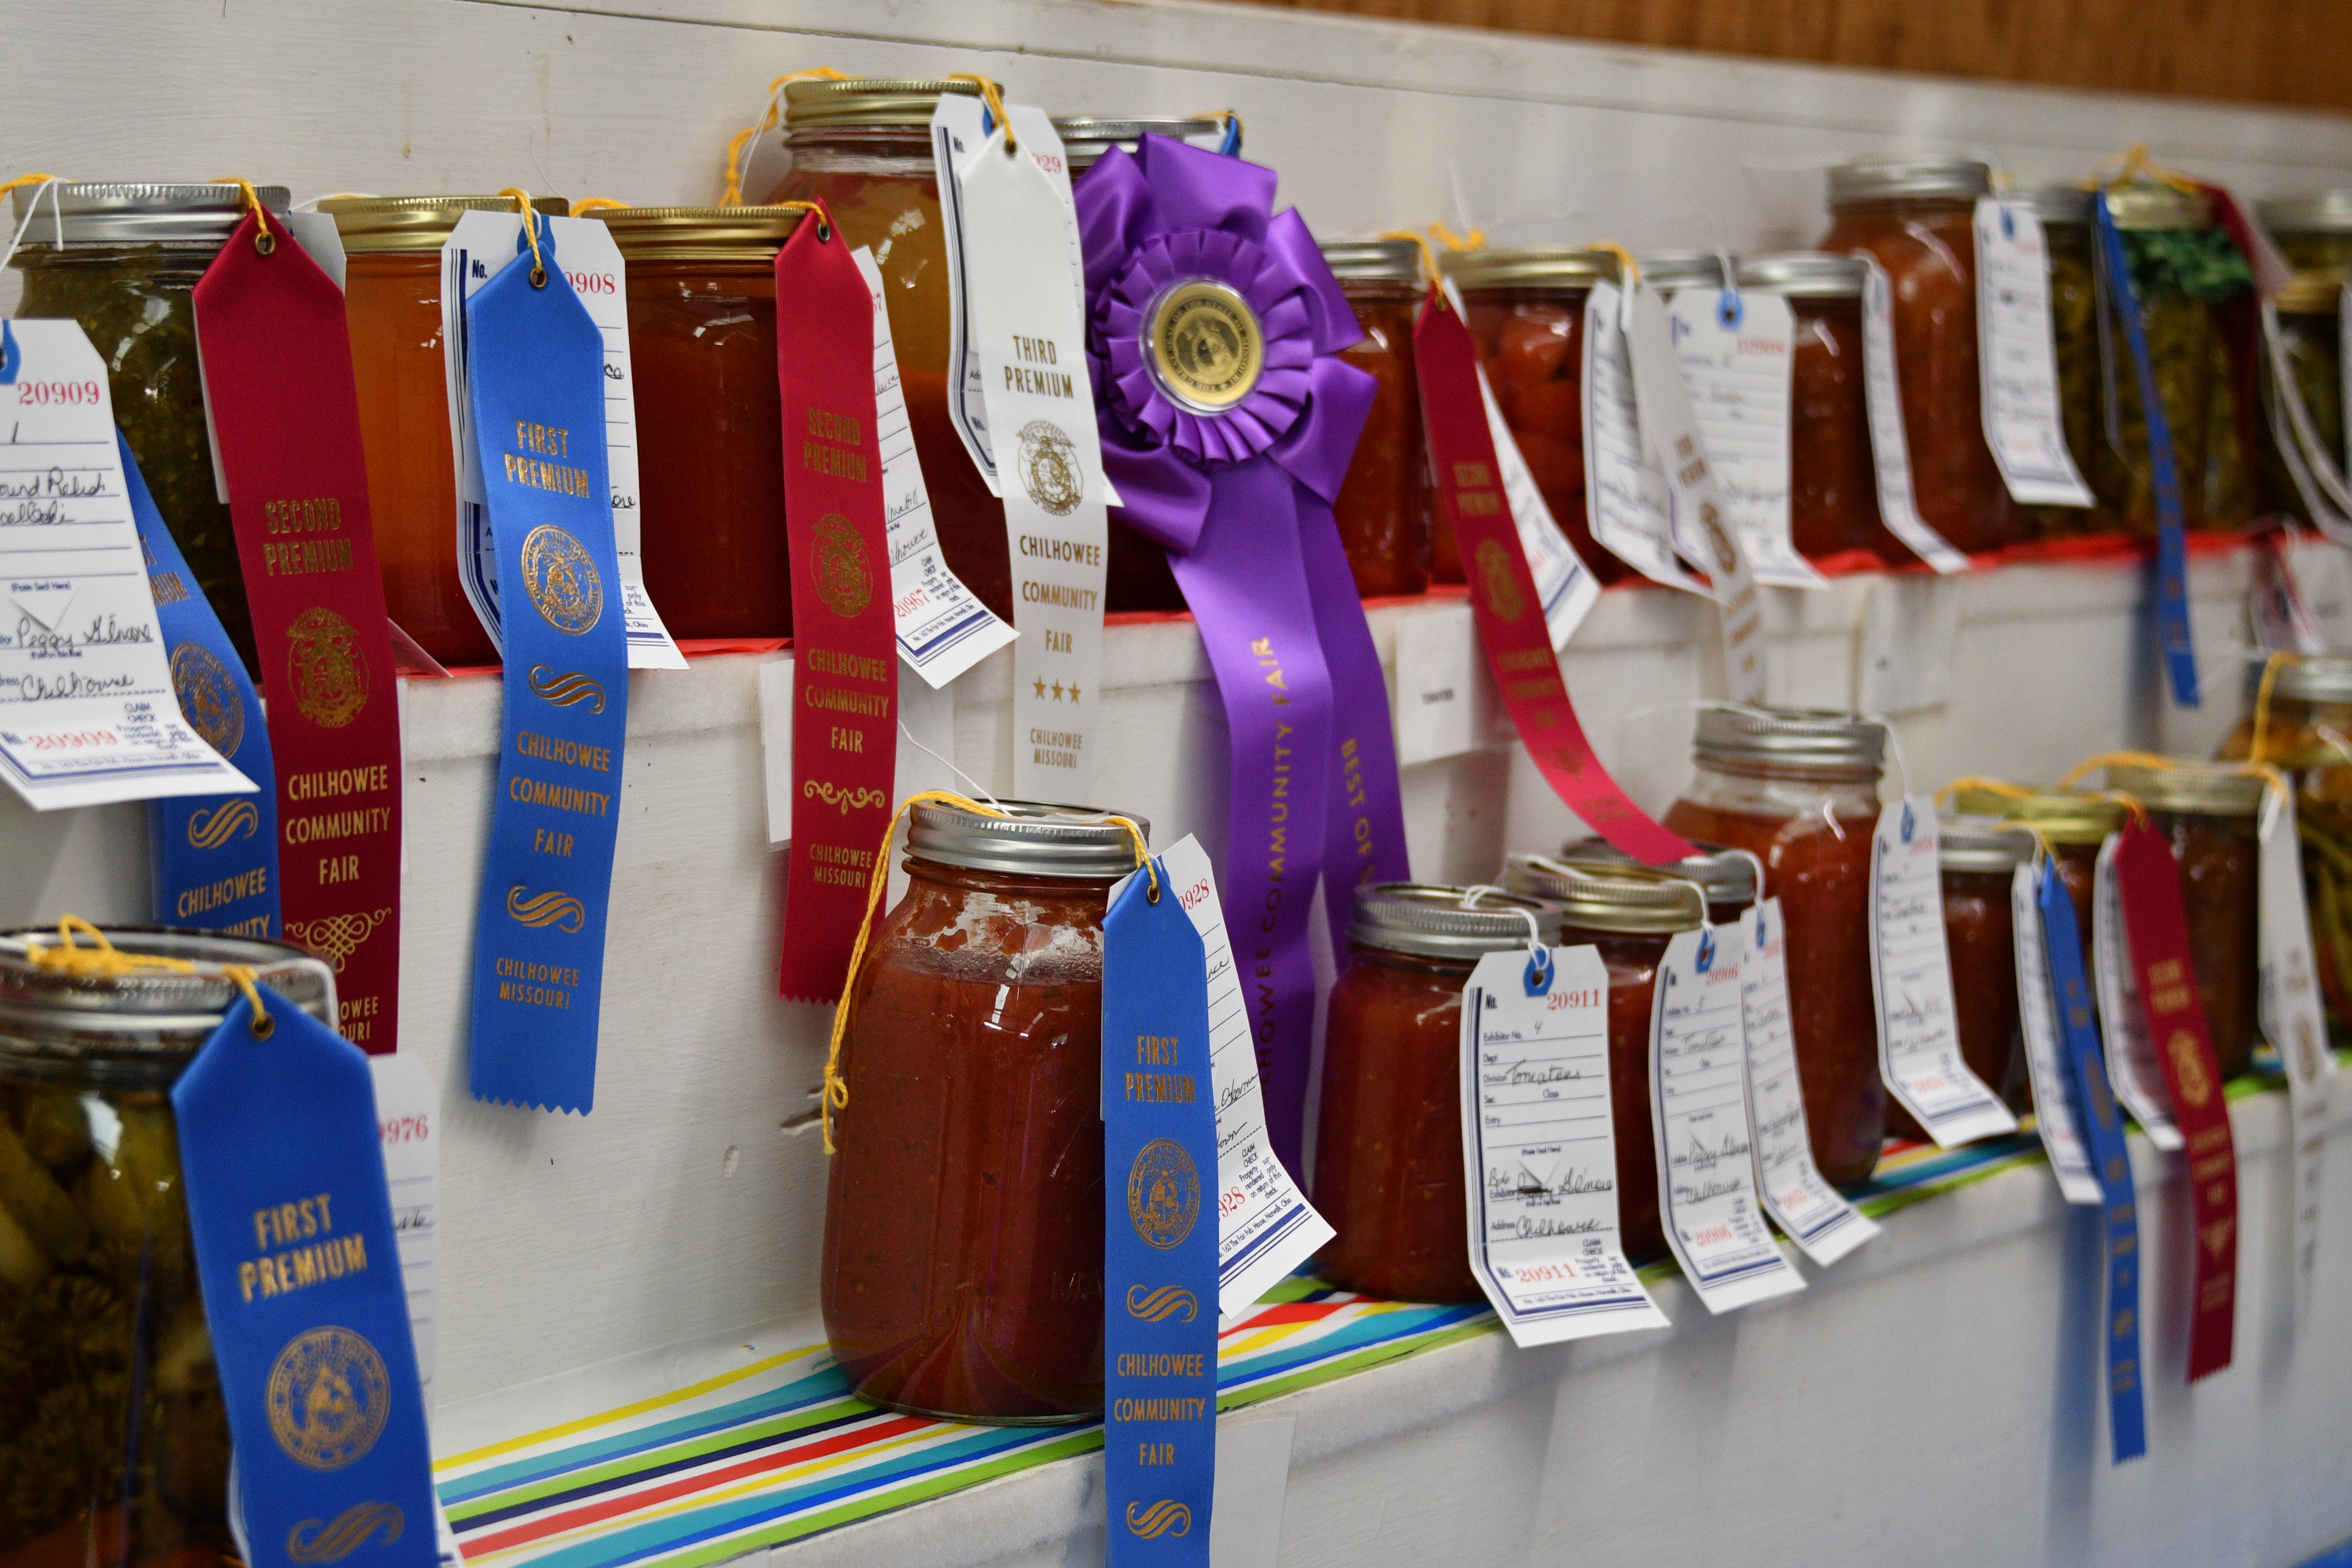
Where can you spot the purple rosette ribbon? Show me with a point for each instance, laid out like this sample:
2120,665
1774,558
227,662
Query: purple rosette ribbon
1228,423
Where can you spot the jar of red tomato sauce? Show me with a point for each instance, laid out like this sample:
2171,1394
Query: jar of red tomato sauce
1384,510
963,1240
1629,913
1978,860
2075,826
1919,218
710,451
392,299
1524,310
2211,812
1832,473
1387,1141
1727,877
1798,788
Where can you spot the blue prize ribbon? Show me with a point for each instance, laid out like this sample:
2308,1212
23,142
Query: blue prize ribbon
300,1267
214,856
2102,1130
1160,1232
536,371
2171,541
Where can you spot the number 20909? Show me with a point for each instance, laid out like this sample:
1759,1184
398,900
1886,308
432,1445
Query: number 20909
52,394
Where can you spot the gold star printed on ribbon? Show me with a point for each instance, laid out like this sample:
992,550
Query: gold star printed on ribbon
1057,691
1041,688
1073,691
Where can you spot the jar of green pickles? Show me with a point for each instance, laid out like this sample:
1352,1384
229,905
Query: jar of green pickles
114,1444
123,261
2066,215
2310,321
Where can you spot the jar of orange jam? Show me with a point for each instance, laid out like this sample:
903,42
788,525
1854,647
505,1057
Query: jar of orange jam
1388,1144
1832,471
710,454
392,296
1798,787
1383,511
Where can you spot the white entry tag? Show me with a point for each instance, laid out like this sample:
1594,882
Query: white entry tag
1707,1185
1624,495
2294,1022
2136,1077
1890,447
1446,700
480,248
1539,1152
1911,972
1022,303
2309,464
2054,1113
1796,1194
942,629
776,745
408,1115
1736,354
2017,359
88,714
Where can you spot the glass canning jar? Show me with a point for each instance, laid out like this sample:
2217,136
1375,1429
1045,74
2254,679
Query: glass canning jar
964,1236
1388,1144
2075,826
123,261
2314,229
1727,877
1798,789
1979,858
710,454
1917,217
1386,524
2306,729
2067,237
392,299
115,1446
1832,473
2311,334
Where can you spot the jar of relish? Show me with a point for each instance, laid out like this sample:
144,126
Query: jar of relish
1727,877
1917,217
1388,1142
2162,227
1384,512
1833,472
2067,241
392,299
123,261
710,453
2304,729
1798,789
963,1240
1979,858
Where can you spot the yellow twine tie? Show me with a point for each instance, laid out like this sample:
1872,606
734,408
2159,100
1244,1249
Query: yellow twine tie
1233,117
21,181
105,960
732,194
263,241
2001,787
1629,269
1428,258
597,205
1474,240
530,232
2133,162
2271,668
835,1096
994,98
2090,765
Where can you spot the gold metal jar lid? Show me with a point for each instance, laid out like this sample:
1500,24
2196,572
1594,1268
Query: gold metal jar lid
2314,212
2054,204
875,101
2157,206
1797,737
1982,843
1805,274
1428,920
1087,137
1373,260
75,213
700,234
2066,818
1623,899
2206,789
1032,839
2311,294
1916,179
1726,876
382,225
1528,267
1667,270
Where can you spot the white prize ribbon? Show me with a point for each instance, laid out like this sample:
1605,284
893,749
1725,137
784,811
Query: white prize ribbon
1707,1187
1019,239
1624,496
2294,1022
1736,354
2055,1115
1890,447
1796,1194
2133,1071
88,713
1911,972
942,629
1539,1152
2017,359
478,249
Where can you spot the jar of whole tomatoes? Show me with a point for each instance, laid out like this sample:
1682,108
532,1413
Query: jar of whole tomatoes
123,261
1383,511
117,1446
2067,239
1833,472
710,451
964,1241
1917,218
2073,825
2311,336
1979,858
1798,789
1524,310
1387,1141
1727,877
2303,724
392,300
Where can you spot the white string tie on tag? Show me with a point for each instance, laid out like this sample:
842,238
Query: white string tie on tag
48,187
977,787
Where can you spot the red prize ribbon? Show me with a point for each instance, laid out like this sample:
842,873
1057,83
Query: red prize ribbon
1503,592
2150,883
845,650
278,377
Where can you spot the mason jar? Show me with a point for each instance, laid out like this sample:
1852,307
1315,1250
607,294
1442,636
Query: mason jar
1833,467
1977,860
1385,513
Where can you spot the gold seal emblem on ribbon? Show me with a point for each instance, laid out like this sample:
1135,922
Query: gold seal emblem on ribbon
561,580
1205,345
208,697
1163,1193
843,579
327,1397
323,662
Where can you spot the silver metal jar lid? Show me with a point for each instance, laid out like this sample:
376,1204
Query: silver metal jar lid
1801,737
1894,179
1805,274
880,101
1432,921
2317,678
1032,839
104,214
142,1020
2054,204
1726,876
378,226
2200,788
1665,271
2315,212
1982,843
1533,267
1087,137
1620,898
1373,260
